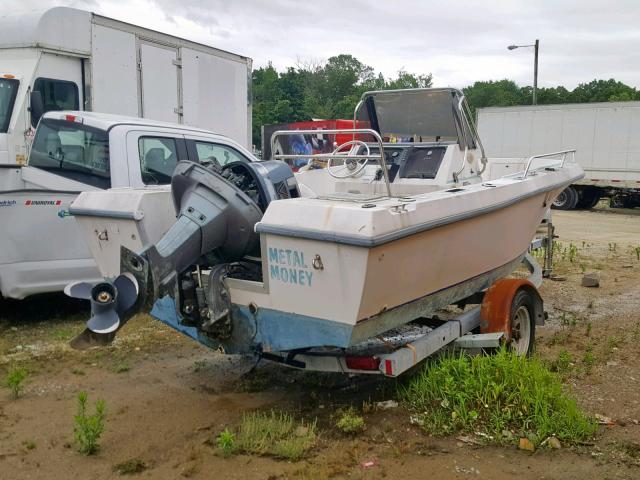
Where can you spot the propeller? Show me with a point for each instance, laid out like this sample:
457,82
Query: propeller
109,303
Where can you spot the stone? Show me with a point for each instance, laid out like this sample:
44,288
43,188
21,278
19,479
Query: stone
386,405
526,444
591,280
554,443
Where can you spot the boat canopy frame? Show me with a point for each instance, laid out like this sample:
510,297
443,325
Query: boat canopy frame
465,130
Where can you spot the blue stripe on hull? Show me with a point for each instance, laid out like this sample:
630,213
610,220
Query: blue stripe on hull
273,330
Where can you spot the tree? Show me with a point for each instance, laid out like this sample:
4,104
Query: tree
331,89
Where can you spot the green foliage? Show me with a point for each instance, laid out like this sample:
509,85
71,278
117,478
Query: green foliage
29,444
493,394
130,467
226,442
589,359
562,364
274,434
350,422
15,380
326,90
88,428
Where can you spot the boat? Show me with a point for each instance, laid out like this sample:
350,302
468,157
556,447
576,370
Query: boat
391,226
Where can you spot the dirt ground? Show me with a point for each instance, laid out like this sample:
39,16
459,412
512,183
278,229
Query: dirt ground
168,398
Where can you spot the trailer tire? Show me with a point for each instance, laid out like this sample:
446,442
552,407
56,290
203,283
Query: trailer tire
566,200
523,323
513,306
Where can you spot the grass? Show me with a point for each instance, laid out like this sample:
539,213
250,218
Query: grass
563,363
226,442
494,394
15,380
589,359
89,428
275,434
350,422
130,467
29,444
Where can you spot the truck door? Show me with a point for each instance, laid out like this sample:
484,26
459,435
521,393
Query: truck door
160,82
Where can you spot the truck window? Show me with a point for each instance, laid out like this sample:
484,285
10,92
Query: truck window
57,94
72,150
158,159
214,152
8,91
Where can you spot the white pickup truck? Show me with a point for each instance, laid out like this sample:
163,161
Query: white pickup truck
41,249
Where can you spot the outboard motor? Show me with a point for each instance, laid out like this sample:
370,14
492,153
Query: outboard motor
218,209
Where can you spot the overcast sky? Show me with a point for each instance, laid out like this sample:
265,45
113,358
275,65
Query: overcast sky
457,41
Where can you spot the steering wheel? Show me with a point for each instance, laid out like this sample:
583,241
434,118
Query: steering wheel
352,166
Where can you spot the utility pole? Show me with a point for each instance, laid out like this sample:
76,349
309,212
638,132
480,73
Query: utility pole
535,46
535,73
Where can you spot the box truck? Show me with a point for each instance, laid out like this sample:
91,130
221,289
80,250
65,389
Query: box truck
606,137
68,59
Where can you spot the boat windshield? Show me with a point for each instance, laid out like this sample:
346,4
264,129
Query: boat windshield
8,91
72,150
421,115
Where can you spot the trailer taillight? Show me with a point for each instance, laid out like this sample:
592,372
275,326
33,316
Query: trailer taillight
363,363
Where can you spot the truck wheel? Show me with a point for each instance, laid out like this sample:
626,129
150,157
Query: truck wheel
588,198
523,324
567,200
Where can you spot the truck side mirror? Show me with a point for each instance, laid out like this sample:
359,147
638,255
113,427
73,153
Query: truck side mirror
37,106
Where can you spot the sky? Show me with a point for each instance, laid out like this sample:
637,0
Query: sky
458,41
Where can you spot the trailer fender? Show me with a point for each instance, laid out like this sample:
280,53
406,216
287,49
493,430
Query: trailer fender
495,312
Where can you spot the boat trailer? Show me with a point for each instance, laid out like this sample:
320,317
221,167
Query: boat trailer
489,325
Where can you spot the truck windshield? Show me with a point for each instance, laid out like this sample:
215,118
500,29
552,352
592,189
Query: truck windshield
8,91
72,150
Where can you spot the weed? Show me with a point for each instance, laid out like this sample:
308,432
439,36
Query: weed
589,358
350,422
78,371
121,367
199,365
573,252
88,428
29,444
562,364
559,338
15,380
637,250
130,467
490,394
63,334
614,341
276,434
591,304
226,442
588,330
568,320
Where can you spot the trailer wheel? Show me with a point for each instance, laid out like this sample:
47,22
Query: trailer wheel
512,306
566,200
523,325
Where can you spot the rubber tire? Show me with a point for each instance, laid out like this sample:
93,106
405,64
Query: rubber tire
588,198
523,298
567,200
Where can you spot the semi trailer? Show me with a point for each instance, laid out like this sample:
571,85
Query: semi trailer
606,137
